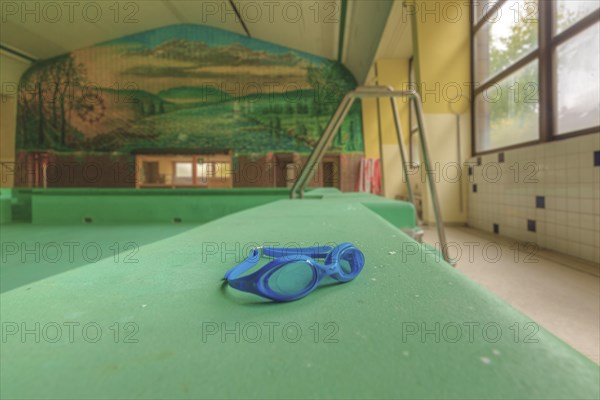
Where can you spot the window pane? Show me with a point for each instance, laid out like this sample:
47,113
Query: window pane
481,9
568,12
183,173
509,34
507,112
203,170
578,87
212,170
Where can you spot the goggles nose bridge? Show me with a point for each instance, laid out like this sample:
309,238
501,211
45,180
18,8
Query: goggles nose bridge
327,269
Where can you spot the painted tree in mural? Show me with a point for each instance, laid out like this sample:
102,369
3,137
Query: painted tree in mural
330,84
28,93
48,95
40,106
64,74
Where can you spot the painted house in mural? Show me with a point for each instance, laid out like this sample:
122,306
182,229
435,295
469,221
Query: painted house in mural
185,105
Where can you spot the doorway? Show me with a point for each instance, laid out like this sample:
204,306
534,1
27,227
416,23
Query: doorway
331,172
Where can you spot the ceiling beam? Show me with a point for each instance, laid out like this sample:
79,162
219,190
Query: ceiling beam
175,12
342,29
17,53
239,16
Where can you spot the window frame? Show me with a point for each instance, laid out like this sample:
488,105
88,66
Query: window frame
544,54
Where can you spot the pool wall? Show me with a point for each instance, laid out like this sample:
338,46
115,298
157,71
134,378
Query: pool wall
75,206
118,206
5,206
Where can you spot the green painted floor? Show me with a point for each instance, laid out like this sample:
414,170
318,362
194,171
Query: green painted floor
170,330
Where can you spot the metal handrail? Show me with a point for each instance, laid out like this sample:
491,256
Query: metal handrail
336,121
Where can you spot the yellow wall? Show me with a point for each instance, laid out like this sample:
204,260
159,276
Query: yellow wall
369,113
443,45
392,72
444,53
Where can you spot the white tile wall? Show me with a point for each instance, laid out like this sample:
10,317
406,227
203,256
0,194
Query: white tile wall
563,172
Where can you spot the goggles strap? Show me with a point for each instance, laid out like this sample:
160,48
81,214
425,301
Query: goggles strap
314,252
244,266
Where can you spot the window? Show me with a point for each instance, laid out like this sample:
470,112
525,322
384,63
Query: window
183,173
184,170
482,8
508,112
577,82
505,37
535,67
203,170
212,170
568,12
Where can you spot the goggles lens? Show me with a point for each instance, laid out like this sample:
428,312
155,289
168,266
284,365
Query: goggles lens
350,260
291,278
346,262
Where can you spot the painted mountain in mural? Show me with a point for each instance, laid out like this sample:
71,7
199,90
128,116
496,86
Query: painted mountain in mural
196,94
202,54
184,87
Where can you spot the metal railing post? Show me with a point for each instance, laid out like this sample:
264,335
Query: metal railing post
430,177
401,146
336,121
322,145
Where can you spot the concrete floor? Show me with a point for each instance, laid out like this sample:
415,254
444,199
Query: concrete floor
560,293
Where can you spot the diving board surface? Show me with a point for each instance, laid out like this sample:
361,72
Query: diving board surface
363,339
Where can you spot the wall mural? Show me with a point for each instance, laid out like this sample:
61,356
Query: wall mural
182,87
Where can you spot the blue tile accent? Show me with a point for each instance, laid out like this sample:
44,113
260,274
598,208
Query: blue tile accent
540,202
597,158
474,188
531,225
496,228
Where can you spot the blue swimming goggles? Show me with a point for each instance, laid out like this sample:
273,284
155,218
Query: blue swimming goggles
295,273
